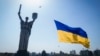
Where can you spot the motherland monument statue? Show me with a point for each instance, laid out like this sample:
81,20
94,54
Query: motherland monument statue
25,33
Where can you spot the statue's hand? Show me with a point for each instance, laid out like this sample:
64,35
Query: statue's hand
34,18
18,12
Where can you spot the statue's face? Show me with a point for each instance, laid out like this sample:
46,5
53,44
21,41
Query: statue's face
34,15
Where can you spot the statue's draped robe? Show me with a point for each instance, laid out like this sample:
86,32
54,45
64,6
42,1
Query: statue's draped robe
24,34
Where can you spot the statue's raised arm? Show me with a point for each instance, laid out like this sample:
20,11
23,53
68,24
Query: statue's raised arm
20,12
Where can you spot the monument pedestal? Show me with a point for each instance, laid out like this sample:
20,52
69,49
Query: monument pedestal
22,53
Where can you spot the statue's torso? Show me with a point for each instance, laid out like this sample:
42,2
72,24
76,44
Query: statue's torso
24,34
26,26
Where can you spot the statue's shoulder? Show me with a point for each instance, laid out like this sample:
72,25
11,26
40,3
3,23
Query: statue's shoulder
31,22
22,22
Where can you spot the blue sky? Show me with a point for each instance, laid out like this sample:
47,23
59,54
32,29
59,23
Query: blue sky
75,13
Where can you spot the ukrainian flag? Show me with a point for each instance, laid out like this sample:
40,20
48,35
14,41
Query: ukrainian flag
72,35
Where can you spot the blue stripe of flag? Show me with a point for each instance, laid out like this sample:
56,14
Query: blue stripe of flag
63,27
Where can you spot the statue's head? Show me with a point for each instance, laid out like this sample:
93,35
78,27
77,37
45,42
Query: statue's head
34,15
26,19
